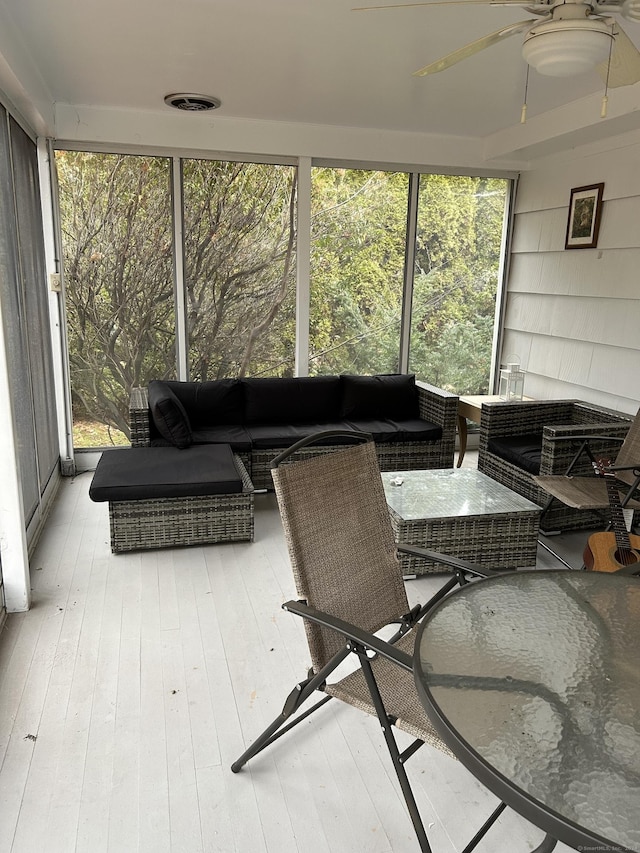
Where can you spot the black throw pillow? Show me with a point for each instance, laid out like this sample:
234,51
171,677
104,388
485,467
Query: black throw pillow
169,415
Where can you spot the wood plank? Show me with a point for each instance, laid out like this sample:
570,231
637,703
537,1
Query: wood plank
102,692
55,748
153,790
124,815
576,273
184,817
121,762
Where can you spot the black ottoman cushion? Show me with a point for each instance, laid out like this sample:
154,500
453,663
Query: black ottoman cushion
135,473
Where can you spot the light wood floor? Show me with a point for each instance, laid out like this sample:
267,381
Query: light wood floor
135,680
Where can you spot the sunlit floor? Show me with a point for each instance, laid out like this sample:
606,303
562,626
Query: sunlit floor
135,680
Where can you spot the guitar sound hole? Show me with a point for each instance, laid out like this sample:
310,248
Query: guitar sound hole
627,557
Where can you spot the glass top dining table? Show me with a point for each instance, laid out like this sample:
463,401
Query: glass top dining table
533,680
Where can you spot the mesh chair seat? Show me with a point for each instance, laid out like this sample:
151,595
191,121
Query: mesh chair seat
579,492
399,695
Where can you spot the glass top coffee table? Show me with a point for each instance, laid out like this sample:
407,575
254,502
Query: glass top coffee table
461,512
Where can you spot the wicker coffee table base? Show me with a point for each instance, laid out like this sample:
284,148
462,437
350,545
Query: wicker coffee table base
497,542
462,513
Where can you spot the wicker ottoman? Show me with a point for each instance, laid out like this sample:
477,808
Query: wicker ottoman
162,497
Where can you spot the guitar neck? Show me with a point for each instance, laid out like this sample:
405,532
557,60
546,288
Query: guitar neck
617,514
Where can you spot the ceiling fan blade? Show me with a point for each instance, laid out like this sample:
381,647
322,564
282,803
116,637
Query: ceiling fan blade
444,3
625,61
473,47
414,5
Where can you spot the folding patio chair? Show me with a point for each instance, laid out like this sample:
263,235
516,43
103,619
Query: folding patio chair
589,493
349,584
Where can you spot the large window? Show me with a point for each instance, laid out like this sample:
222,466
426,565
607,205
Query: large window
358,239
223,301
360,222
119,264
119,291
455,282
239,261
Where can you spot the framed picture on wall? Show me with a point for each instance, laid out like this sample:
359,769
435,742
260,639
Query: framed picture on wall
585,210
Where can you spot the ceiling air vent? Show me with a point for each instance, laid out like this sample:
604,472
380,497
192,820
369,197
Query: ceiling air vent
192,103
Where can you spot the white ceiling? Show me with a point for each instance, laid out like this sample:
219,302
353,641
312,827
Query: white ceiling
312,61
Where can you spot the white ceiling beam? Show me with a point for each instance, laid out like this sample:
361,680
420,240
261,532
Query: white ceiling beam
576,123
203,132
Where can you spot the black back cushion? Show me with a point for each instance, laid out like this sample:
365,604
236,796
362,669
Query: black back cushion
295,400
390,395
211,403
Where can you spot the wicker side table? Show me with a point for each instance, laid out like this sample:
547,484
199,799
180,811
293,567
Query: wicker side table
173,520
464,513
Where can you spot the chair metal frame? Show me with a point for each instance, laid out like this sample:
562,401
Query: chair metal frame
552,419
594,496
369,648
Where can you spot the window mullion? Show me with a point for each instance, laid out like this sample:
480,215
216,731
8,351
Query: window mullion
180,294
303,257
409,267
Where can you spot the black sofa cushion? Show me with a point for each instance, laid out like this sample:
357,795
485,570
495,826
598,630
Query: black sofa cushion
138,473
291,400
236,436
267,436
169,415
211,403
523,451
386,431
378,397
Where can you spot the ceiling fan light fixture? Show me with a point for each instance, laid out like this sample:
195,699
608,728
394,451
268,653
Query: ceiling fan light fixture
563,48
631,10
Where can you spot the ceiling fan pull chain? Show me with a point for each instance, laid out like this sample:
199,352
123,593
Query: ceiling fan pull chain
605,97
523,114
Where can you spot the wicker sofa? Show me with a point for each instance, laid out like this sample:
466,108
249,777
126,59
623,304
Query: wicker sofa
412,423
517,441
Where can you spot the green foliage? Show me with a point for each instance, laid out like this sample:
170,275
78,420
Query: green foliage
458,243
459,361
239,255
357,266
357,263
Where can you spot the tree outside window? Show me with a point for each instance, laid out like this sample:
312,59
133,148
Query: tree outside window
239,260
118,270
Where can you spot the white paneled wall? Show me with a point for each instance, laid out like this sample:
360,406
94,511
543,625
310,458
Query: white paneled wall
573,316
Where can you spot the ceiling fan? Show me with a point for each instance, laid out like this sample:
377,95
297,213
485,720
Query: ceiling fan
566,38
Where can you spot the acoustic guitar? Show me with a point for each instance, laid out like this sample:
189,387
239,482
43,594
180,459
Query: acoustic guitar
610,551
